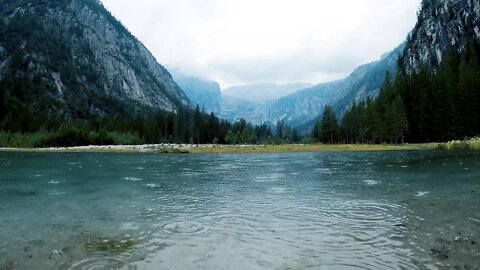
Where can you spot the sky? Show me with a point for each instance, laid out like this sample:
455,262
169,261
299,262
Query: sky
238,42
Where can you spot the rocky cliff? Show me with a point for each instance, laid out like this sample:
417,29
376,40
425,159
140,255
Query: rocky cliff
76,57
442,25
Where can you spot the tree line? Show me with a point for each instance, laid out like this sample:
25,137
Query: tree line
417,107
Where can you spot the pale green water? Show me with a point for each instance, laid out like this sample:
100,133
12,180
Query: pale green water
266,211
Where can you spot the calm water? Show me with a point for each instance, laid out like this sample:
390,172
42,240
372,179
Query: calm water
396,210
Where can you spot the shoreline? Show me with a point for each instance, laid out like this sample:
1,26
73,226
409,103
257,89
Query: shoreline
473,144
223,149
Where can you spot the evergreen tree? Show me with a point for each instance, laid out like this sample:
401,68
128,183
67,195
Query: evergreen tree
246,136
370,132
329,126
197,124
230,138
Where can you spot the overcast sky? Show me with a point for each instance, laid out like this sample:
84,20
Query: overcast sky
246,41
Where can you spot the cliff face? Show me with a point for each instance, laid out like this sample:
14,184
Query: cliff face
442,24
80,56
205,93
263,92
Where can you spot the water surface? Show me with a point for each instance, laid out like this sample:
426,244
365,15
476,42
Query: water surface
377,210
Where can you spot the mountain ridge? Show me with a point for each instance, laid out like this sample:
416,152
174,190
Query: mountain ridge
263,92
81,58
303,107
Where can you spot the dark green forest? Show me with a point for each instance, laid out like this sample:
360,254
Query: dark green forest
421,107
187,125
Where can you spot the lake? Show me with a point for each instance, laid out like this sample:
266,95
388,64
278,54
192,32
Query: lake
359,210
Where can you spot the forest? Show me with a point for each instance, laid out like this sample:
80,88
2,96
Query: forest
419,107
188,125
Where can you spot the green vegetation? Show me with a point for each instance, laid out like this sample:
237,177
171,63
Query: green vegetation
286,148
92,243
66,136
143,127
421,107
472,144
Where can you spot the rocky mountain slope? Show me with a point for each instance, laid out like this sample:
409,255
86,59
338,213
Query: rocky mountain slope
263,92
79,59
303,107
442,25
207,94
209,97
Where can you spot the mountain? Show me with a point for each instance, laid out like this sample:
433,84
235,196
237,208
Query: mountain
234,109
209,97
441,25
435,96
72,58
263,92
366,81
205,93
303,107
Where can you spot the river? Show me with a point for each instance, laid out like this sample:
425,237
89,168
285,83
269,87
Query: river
358,210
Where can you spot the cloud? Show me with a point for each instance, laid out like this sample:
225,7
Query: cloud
236,42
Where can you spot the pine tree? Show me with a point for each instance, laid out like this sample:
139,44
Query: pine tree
238,137
370,132
246,136
329,126
197,124
230,138
402,119
468,111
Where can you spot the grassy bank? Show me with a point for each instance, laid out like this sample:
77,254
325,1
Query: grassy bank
301,148
223,149
472,144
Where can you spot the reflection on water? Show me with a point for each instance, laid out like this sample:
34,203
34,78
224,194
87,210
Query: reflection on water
397,210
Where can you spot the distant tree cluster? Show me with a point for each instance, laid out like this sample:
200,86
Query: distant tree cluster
327,129
420,107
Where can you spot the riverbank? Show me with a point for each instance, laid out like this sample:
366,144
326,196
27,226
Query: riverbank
301,148
473,144
219,149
